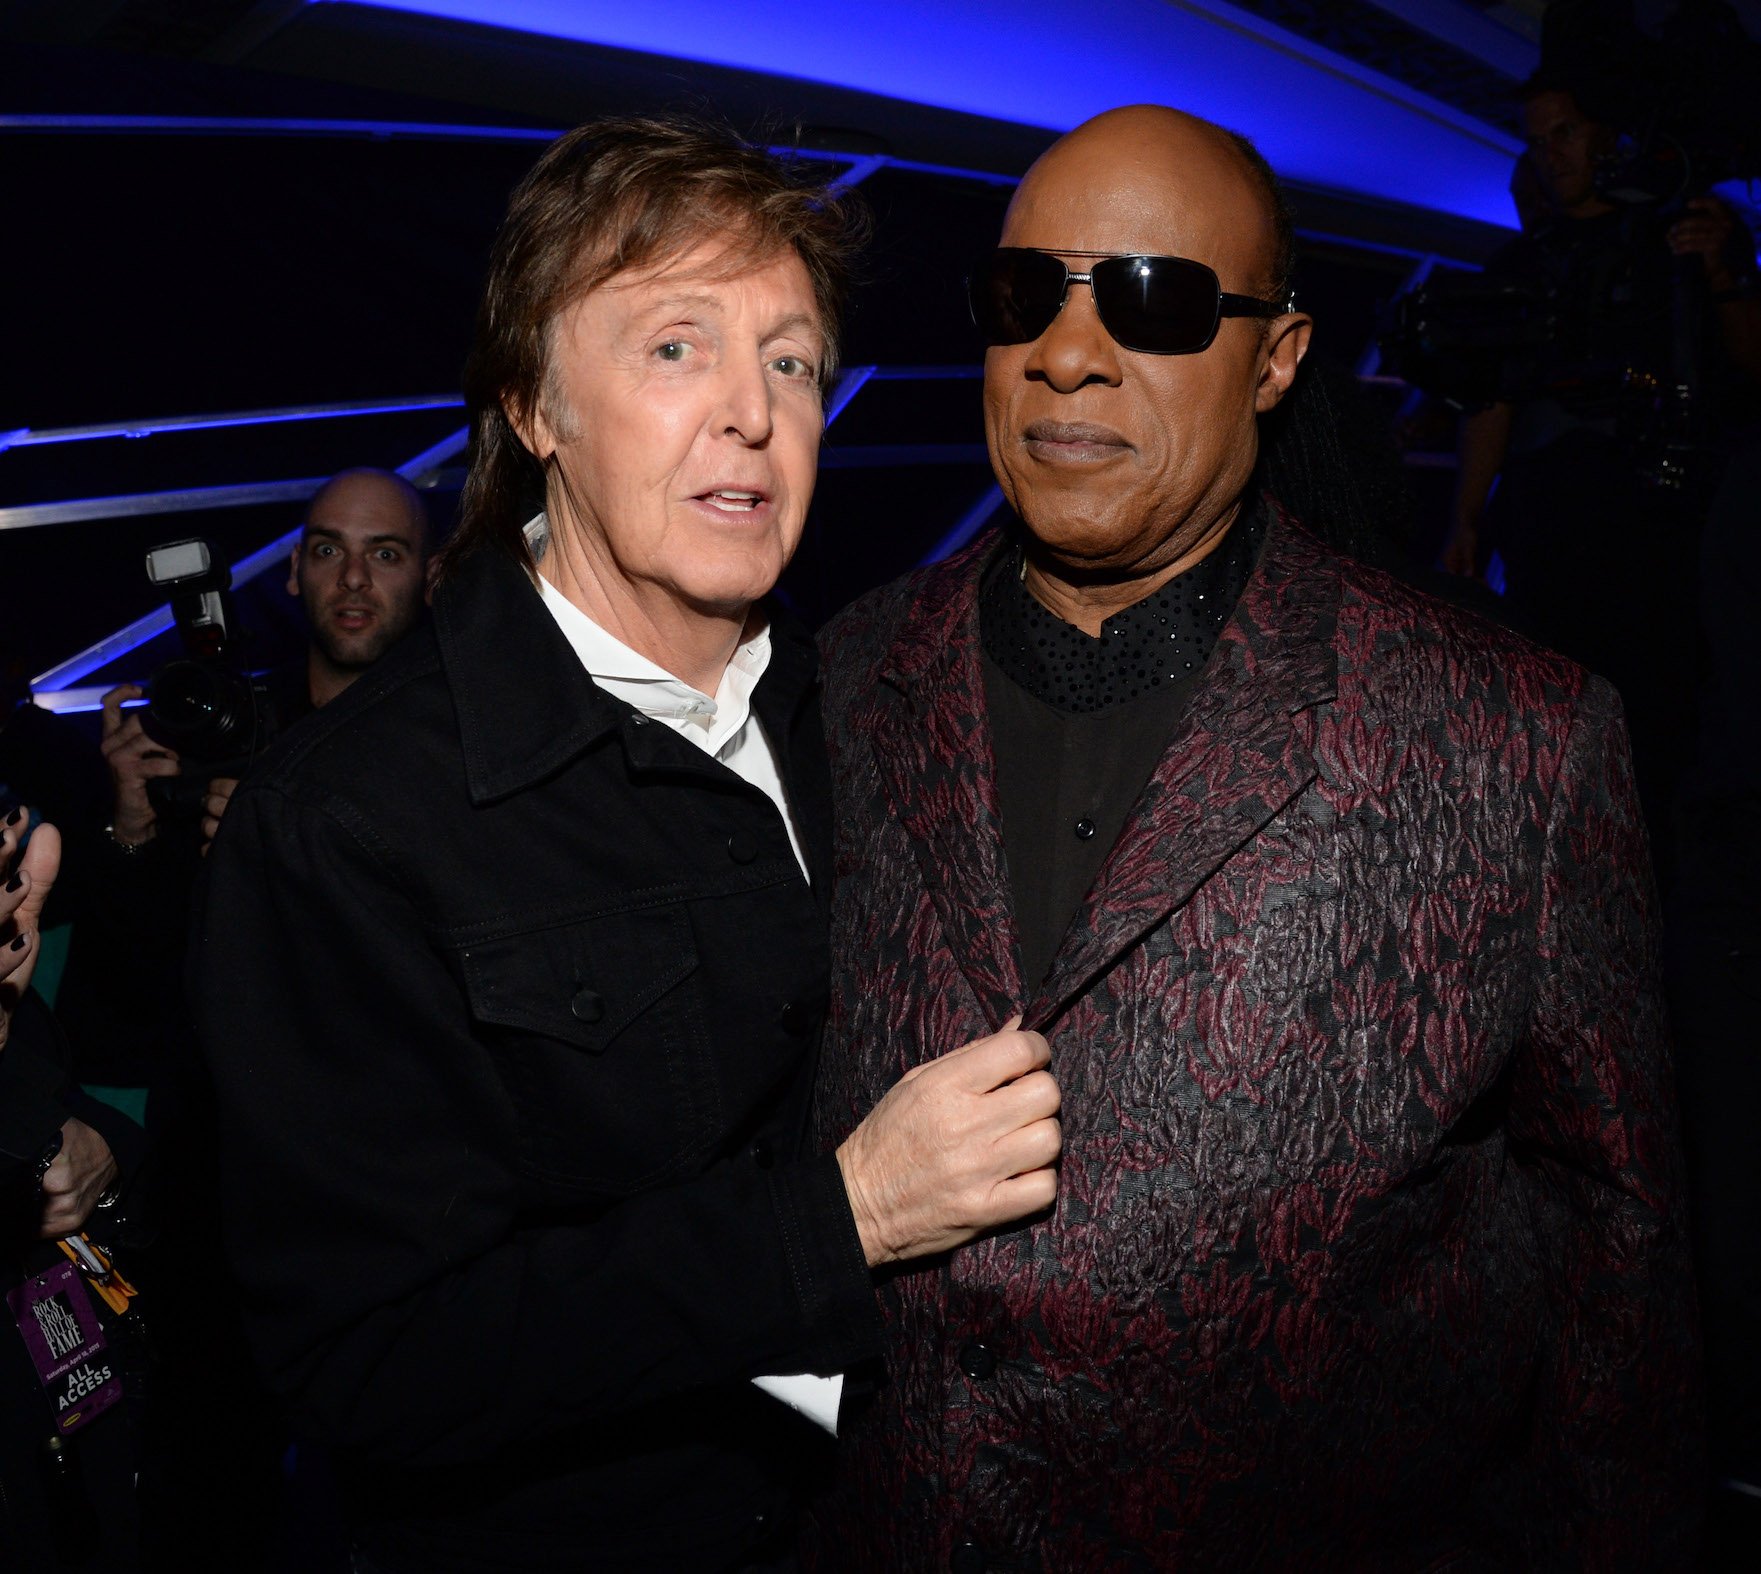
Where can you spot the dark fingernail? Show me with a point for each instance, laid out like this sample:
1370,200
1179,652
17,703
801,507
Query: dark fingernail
16,881
12,819
20,943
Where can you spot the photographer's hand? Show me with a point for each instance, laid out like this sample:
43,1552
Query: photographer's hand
83,1170
1705,231
214,805
134,760
25,882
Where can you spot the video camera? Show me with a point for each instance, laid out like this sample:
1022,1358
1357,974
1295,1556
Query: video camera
207,704
1688,118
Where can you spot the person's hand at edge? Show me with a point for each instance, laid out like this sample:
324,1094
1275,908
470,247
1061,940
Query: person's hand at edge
957,1146
25,882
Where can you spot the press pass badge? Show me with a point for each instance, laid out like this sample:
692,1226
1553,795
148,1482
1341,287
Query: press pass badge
60,1328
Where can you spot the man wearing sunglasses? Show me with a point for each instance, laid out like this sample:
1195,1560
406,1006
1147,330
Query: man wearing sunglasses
1331,902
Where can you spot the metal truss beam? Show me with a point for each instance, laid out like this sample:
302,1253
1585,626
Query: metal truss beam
136,505
155,426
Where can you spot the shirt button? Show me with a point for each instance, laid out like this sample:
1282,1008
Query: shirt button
1085,828
978,1361
968,1558
742,847
587,1006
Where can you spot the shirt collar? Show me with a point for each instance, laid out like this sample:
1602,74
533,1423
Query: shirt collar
648,688
1165,638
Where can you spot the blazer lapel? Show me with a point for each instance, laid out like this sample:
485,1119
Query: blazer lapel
932,743
1241,752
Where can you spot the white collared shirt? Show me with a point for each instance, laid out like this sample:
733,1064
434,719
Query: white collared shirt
723,726
726,728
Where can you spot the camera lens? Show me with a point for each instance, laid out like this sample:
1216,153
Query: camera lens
201,709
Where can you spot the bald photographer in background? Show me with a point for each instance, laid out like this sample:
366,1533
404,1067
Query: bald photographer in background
360,569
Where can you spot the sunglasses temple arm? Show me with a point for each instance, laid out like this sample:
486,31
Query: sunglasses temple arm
1229,305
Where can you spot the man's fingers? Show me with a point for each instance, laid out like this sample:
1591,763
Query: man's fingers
1033,1147
112,704
1021,1195
214,805
1036,1096
988,1063
58,1179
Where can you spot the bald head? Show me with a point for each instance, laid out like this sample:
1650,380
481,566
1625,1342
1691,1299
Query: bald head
360,571
1144,152
378,494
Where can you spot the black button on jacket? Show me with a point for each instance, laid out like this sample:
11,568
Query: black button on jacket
496,1027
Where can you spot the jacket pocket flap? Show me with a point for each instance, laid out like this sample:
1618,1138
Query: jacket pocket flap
581,983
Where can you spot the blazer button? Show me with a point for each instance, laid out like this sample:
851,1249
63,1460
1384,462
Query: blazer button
587,1006
796,1018
968,1558
763,1155
742,847
978,1361
1085,828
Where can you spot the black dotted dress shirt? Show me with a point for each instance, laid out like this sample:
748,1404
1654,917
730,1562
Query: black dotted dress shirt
1079,723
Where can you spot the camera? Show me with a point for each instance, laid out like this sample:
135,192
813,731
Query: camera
207,704
1471,341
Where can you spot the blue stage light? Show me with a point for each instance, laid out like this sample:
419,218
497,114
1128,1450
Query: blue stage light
1321,119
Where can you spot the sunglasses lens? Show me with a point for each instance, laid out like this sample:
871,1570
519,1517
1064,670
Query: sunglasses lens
1160,305
1016,294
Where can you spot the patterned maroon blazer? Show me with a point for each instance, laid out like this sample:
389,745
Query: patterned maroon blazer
1368,1250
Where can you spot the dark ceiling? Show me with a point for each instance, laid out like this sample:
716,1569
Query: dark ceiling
165,273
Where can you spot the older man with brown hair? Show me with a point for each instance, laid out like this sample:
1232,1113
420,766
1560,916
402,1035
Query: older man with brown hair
511,962
1367,1252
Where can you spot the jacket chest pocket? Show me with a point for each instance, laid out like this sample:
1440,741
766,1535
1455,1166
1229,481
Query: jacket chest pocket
600,1037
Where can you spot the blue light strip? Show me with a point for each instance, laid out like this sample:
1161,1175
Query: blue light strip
969,525
27,437
418,469
1320,118
850,383
71,702
136,634
113,647
859,172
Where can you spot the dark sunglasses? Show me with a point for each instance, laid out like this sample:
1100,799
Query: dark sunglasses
1159,305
